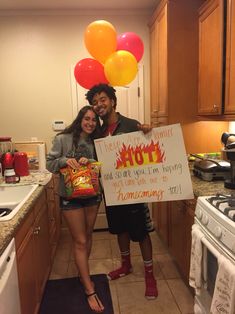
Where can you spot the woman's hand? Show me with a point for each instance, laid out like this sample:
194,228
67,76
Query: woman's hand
72,162
83,161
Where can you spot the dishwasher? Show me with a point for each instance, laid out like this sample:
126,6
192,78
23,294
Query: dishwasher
9,289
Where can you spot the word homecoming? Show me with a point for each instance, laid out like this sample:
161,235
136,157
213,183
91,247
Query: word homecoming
125,196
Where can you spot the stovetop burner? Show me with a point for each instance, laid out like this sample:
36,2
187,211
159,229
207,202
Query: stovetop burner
224,203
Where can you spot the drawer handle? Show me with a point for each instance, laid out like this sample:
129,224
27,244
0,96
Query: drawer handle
37,230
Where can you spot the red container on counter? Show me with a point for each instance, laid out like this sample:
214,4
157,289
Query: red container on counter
21,165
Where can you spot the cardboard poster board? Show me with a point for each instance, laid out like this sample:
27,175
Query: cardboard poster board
138,168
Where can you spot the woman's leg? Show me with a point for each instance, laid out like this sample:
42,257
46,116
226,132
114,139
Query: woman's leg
90,215
76,220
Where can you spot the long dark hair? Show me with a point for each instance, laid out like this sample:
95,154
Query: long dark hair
76,129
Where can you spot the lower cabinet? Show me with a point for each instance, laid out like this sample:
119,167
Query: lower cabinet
160,218
54,214
33,256
173,221
36,242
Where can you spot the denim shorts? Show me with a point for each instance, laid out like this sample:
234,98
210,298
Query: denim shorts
76,203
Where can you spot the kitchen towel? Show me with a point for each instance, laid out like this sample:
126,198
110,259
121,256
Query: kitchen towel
223,300
195,277
67,296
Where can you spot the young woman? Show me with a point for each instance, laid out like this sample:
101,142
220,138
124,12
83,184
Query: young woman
72,147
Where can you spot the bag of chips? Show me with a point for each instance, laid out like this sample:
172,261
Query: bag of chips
82,182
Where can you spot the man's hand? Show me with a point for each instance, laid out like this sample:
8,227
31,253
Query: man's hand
145,128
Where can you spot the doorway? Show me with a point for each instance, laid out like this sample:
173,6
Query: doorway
130,103
130,98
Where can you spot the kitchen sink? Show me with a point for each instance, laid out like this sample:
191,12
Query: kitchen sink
12,198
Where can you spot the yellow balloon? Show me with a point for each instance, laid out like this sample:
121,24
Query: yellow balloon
120,68
100,40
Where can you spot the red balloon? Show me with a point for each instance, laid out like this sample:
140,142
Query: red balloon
89,72
131,42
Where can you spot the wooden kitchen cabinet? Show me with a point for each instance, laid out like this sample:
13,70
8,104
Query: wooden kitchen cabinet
54,214
174,62
177,239
217,59
174,74
158,59
160,218
173,221
181,217
230,60
189,220
33,256
211,56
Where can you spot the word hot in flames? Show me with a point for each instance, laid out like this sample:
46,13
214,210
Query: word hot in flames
139,155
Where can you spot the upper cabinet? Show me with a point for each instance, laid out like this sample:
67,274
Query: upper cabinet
211,46
158,38
174,62
216,93
230,60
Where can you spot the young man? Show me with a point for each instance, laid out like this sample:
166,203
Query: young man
128,222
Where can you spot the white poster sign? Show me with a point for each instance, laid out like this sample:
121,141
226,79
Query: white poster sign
142,168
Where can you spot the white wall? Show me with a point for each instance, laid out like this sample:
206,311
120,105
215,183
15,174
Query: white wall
36,52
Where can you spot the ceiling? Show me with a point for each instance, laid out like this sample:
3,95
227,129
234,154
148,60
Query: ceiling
77,4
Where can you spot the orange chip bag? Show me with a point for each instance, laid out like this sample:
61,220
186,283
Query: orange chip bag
82,182
67,182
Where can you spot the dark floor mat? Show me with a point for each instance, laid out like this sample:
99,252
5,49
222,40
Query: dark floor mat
66,296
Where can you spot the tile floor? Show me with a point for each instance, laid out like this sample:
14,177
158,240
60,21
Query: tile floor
128,292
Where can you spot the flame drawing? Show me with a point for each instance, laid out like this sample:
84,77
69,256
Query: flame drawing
140,155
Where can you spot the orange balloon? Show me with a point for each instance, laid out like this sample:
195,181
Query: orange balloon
120,68
100,40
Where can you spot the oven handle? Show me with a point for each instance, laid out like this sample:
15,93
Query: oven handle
216,252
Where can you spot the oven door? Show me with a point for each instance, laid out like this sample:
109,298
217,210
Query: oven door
211,251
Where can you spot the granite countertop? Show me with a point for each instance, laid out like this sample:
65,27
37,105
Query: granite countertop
8,228
204,188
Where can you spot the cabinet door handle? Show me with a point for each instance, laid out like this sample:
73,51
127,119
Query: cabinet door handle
37,230
215,108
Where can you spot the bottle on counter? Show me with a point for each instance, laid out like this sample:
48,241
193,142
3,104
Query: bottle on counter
10,176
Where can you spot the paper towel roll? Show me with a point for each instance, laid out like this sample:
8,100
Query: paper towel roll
41,157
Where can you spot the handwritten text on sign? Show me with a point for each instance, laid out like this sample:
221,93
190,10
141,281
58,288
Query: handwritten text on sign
138,168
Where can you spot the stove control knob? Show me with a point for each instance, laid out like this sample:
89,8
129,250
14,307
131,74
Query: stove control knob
205,219
218,232
199,214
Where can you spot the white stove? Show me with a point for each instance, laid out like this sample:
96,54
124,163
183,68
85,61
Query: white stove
214,220
216,215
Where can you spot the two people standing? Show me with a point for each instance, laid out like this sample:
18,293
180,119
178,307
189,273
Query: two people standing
75,146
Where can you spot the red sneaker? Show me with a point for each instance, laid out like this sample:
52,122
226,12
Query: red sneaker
151,291
120,272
